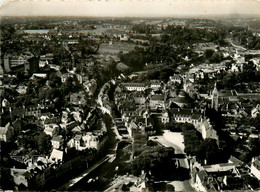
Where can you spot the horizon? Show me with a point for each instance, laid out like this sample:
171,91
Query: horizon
147,8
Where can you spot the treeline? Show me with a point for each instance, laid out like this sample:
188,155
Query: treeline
237,80
246,38
179,35
155,53
203,149
173,46
156,160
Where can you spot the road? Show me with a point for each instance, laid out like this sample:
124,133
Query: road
121,180
73,181
108,157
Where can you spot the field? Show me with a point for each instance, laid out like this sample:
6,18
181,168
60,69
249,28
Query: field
116,48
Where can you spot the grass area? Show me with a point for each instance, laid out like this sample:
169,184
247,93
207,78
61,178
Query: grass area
118,46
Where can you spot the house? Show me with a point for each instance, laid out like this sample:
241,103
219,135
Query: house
223,176
15,61
78,98
20,176
32,177
157,101
106,108
5,103
33,111
65,76
135,86
95,139
207,130
39,76
51,129
80,78
56,156
90,86
21,89
190,77
1,71
124,37
255,111
17,125
256,62
201,179
155,84
57,142
139,98
186,116
190,89
6,132
165,117
6,63
176,78
255,167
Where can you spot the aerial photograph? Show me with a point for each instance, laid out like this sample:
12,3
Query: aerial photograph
130,95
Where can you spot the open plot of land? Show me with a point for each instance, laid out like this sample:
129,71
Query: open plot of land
116,48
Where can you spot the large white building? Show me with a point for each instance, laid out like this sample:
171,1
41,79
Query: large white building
135,86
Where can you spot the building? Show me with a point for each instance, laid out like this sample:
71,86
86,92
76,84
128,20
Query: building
165,117
6,63
176,78
65,76
78,98
95,139
255,111
155,84
90,86
17,61
157,101
218,177
207,130
51,129
33,111
185,116
255,167
1,71
56,156
135,86
214,98
6,132
57,142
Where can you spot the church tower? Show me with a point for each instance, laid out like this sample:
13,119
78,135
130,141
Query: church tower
214,98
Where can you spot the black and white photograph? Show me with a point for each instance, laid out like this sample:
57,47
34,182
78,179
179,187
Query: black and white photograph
130,95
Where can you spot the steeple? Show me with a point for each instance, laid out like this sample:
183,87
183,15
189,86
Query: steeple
214,98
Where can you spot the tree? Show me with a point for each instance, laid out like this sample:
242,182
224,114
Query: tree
209,151
208,53
158,160
44,144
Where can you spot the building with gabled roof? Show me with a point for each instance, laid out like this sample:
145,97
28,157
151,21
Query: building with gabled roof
56,156
255,111
6,132
135,86
255,167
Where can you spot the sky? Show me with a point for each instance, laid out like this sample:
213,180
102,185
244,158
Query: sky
135,8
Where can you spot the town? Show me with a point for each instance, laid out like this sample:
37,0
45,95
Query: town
131,104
